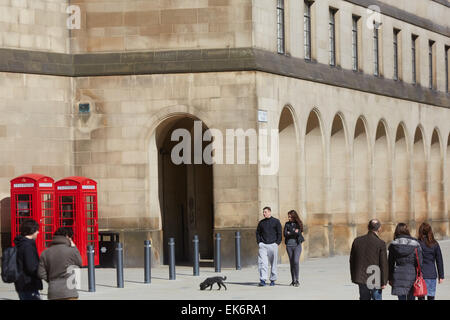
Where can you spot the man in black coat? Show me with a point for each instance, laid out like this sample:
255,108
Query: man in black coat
369,263
29,283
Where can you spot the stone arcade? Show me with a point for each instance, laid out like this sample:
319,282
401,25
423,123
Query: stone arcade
363,115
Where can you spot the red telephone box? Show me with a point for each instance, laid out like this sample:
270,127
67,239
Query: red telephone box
33,197
76,199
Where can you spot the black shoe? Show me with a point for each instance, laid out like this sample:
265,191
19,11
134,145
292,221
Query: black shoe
296,284
292,283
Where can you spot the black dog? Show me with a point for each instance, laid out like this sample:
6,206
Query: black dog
210,281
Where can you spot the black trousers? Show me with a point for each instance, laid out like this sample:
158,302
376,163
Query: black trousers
294,260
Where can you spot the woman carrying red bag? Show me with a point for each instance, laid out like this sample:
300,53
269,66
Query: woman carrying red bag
402,260
432,258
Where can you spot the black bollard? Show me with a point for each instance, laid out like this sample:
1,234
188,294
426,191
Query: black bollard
238,250
91,268
196,256
119,265
217,263
147,261
172,259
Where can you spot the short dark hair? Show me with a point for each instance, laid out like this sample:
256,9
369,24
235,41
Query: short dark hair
28,227
374,225
268,208
64,231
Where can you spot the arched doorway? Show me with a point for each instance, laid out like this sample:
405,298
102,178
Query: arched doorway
185,189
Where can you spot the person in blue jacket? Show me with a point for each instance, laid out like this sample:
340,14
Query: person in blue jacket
432,258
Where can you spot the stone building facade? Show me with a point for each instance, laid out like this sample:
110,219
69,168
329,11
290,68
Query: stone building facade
357,89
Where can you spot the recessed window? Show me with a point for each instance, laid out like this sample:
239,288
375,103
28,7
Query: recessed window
376,50
332,35
431,73
307,29
396,55
355,47
447,48
280,27
414,39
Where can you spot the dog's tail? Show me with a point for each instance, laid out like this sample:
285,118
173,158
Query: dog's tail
224,277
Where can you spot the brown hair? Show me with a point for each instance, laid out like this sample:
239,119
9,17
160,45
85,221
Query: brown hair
426,235
297,219
401,229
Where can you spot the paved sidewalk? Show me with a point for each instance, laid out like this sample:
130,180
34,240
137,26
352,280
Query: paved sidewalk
321,279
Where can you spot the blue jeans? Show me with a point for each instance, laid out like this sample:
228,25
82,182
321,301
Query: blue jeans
369,294
29,295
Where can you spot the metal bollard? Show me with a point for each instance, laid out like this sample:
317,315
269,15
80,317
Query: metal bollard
91,268
172,259
119,265
147,261
238,250
217,263
196,256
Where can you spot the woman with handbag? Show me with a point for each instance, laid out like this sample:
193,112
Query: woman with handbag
404,252
293,238
432,258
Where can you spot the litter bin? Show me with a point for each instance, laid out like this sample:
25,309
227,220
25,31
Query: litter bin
107,249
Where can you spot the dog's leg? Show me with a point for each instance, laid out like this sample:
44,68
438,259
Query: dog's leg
218,283
210,287
224,286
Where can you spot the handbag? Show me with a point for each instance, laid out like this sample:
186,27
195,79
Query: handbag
420,287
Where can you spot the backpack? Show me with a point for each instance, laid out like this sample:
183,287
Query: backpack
10,272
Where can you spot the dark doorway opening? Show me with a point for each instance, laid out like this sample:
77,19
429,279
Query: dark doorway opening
185,194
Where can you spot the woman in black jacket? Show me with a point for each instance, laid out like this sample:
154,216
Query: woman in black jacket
293,238
432,257
403,262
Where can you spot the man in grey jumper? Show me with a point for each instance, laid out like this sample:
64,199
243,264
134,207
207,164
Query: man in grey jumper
268,237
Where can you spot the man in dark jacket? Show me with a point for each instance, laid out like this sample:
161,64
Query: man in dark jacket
28,284
57,264
369,263
268,237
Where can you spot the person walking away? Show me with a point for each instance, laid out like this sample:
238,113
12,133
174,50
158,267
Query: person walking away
293,238
403,262
369,264
57,265
268,237
432,258
29,283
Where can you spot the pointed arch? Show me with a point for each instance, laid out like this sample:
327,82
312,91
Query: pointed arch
288,174
401,177
420,213
339,187
382,170
318,241
361,165
437,200
314,154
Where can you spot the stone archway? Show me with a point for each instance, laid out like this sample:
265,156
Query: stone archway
185,190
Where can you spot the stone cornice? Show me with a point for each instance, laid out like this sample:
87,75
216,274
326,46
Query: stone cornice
210,60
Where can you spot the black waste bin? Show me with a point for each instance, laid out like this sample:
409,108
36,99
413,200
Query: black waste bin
107,248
